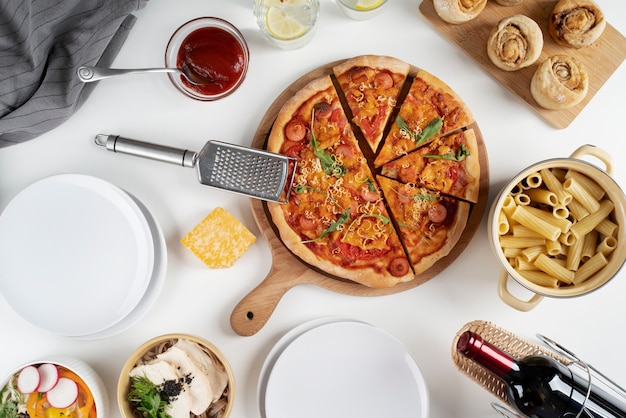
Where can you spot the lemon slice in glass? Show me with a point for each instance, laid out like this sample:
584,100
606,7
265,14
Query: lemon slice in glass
283,26
367,4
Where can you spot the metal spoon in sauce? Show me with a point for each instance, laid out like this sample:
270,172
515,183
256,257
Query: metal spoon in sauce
88,74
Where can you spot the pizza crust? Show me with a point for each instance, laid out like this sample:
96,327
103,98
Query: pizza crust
374,61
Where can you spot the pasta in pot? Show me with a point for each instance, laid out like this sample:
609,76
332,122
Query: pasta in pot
557,248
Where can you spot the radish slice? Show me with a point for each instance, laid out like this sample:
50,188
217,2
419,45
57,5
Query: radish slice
28,379
49,377
63,394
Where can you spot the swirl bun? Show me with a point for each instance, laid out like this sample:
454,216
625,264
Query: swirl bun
576,23
514,43
559,82
458,11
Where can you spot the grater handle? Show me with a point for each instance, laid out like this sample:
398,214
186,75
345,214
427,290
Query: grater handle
177,156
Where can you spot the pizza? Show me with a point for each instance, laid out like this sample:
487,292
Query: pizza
449,164
343,217
430,223
371,85
430,109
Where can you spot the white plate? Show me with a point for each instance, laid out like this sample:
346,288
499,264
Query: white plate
278,348
345,369
76,253
154,288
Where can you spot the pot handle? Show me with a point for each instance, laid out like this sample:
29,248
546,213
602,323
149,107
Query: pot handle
514,302
599,153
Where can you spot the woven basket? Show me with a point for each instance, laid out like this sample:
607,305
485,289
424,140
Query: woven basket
504,340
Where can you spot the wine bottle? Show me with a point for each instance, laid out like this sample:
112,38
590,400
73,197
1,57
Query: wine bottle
539,386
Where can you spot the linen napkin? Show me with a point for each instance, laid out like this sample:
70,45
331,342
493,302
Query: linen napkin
42,43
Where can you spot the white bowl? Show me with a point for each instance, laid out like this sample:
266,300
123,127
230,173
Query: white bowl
91,379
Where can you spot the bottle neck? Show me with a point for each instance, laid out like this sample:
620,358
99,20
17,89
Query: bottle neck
487,355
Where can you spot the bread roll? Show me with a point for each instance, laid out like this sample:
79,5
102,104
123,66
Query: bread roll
560,82
515,42
576,23
459,11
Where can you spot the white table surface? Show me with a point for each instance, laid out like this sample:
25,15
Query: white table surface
199,301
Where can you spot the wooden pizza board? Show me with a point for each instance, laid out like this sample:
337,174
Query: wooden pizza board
601,58
288,270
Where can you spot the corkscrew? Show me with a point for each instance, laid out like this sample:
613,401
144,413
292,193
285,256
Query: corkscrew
597,381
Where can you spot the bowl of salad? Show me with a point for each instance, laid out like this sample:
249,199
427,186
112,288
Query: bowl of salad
55,387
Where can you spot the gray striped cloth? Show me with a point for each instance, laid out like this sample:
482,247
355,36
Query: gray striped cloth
42,43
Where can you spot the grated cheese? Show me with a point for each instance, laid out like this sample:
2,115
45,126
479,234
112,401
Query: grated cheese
219,239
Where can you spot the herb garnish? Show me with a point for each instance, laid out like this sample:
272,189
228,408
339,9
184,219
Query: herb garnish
460,154
329,165
8,410
146,397
425,197
370,185
430,130
301,188
343,218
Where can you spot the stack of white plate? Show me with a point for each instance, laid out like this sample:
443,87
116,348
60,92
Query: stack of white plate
337,368
80,257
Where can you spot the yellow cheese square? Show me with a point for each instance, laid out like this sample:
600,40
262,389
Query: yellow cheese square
219,240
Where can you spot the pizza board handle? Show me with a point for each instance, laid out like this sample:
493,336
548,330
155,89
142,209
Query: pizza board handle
255,309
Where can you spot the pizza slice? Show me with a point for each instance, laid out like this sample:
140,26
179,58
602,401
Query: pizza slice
371,84
430,109
429,223
335,218
450,165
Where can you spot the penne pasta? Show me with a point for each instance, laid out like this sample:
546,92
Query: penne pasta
522,264
581,194
522,199
503,224
509,241
531,253
511,252
556,186
539,277
560,212
607,246
520,230
524,216
589,268
607,228
574,255
554,269
543,196
567,239
591,186
564,225
533,180
508,205
577,210
589,222
554,248
589,246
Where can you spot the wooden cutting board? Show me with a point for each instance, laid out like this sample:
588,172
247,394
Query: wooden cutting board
287,270
601,58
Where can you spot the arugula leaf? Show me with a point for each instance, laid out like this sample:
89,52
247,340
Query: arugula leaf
146,397
343,218
370,185
329,165
425,197
460,155
430,130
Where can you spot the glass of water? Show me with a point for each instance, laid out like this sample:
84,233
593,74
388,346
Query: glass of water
288,24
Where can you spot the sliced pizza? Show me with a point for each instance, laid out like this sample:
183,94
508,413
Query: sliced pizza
371,84
449,164
430,109
429,223
335,218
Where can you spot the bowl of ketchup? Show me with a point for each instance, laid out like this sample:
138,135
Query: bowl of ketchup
216,53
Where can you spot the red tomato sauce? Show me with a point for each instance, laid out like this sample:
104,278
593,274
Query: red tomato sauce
213,54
